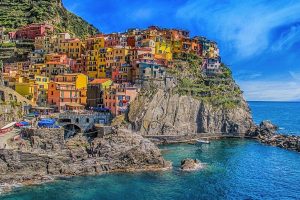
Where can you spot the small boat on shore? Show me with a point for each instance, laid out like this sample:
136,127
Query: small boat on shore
203,141
7,128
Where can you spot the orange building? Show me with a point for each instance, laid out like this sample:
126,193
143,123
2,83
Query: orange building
67,88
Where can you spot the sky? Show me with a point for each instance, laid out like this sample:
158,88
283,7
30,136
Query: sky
258,39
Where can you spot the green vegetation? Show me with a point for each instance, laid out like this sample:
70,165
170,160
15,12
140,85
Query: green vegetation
15,14
8,45
219,90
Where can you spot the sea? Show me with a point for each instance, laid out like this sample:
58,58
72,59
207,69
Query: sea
234,169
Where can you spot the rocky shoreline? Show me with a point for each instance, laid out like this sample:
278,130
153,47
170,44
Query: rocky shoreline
45,156
266,134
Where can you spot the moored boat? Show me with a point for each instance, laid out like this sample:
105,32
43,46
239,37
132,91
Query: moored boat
203,141
5,129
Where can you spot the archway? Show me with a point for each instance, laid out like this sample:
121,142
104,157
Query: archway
71,130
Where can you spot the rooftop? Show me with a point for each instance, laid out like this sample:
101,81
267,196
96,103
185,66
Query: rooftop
100,81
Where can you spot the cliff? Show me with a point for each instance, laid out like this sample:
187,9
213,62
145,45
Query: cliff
15,14
45,155
188,103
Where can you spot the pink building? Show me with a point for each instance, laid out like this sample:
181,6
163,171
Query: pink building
32,31
118,98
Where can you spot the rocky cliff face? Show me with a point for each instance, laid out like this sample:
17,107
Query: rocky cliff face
189,102
165,113
44,156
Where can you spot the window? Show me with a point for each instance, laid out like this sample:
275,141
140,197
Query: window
87,120
77,120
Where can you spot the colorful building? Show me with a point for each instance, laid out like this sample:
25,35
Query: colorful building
67,88
163,50
33,30
118,98
95,57
42,82
147,69
95,91
53,69
28,89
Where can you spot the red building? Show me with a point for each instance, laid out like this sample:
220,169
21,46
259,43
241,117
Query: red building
112,40
33,30
131,41
115,74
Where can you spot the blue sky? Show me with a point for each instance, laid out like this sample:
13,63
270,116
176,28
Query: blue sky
258,39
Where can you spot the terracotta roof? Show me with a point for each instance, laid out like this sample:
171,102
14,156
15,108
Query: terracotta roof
99,81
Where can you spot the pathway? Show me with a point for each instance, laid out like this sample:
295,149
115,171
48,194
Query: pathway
4,138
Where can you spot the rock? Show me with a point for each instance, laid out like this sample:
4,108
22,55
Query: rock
268,127
121,150
166,113
266,133
191,165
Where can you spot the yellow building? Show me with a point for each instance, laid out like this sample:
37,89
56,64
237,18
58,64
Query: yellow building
72,47
163,50
115,58
36,69
95,56
57,41
28,89
42,83
75,48
177,46
102,63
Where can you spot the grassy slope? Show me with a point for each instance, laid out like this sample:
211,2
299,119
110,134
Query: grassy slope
220,90
15,14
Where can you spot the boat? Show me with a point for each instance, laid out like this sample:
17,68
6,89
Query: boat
5,129
203,141
22,124
47,123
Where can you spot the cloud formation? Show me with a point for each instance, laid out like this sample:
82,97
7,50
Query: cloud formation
246,25
271,90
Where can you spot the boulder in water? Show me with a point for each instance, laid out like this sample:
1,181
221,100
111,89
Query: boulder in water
191,165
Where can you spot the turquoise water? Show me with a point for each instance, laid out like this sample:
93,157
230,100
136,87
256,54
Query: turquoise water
235,169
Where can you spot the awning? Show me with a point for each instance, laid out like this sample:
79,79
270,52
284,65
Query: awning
74,105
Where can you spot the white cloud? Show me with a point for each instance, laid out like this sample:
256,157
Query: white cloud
244,24
271,90
247,74
295,75
287,39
